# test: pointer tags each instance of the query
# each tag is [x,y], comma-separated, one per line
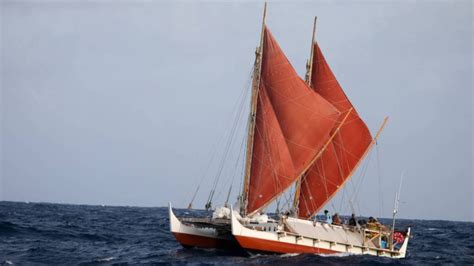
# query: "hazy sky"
[121,103]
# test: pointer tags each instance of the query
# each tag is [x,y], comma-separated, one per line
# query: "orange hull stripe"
[278,247]
[202,241]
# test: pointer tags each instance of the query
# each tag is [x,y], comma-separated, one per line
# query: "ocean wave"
[289,255]
[106,259]
[69,234]
[339,255]
[7,228]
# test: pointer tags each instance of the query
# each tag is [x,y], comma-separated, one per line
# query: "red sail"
[343,154]
[272,168]
[304,118]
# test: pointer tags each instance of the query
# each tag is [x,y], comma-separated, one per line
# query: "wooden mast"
[252,116]
[309,64]
[309,71]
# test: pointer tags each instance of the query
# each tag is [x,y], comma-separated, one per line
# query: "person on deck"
[327,217]
[336,219]
[374,224]
[383,242]
[353,220]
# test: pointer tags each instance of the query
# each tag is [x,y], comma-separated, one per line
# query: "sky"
[124,102]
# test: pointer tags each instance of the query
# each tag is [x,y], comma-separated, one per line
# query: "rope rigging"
[238,111]
[379,174]
[355,184]
[190,205]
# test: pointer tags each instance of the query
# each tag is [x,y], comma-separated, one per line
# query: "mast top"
[309,65]
[263,24]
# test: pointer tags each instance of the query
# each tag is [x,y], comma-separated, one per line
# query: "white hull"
[189,235]
[303,236]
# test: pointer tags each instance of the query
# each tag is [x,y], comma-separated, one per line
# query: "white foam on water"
[255,255]
[339,255]
[289,255]
[106,259]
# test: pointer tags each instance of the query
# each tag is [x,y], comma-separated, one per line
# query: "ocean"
[44,233]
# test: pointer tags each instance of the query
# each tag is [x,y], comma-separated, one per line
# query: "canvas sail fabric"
[287,109]
[272,166]
[341,157]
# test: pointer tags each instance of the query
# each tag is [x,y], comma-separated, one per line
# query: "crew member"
[353,220]
[327,217]
[336,219]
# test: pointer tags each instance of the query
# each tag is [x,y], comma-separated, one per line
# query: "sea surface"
[44,233]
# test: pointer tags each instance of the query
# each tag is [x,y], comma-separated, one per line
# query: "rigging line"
[362,176]
[350,191]
[334,209]
[228,195]
[213,153]
[346,161]
[241,182]
[324,178]
[277,184]
[341,172]
[346,151]
[356,184]
[311,110]
[239,111]
[311,197]
[241,150]
[241,98]
[293,100]
[265,137]
[267,145]
[319,154]
[329,199]
[242,171]
[289,197]
[277,209]
[379,174]
[351,181]
[321,169]
[342,199]
[235,170]
[246,137]
[340,144]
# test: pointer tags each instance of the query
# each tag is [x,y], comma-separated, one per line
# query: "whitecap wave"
[289,255]
[106,259]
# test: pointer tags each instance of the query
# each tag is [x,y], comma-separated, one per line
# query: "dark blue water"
[41,233]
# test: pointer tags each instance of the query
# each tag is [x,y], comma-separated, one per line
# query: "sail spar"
[292,124]
[330,171]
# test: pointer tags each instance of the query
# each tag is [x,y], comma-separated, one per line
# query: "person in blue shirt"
[383,242]
[327,217]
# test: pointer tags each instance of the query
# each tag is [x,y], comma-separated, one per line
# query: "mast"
[395,210]
[253,111]
[309,70]
[309,64]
